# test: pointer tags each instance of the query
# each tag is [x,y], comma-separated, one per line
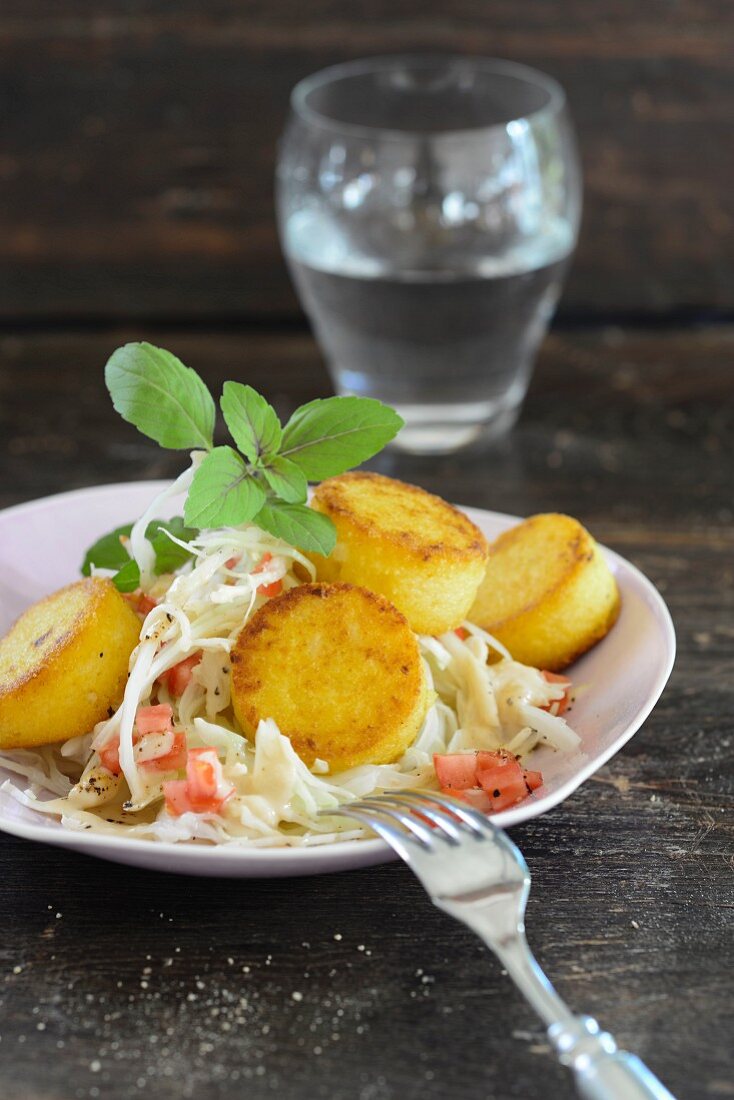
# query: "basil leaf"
[252,422]
[333,434]
[107,552]
[127,579]
[285,479]
[223,493]
[298,525]
[165,400]
[169,555]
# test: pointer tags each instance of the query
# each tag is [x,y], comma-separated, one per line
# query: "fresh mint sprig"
[263,479]
[165,400]
[333,434]
[223,491]
[252,422]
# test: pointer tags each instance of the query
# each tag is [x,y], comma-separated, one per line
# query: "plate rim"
[315,859]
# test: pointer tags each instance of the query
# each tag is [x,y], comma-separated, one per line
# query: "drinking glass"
[428,207]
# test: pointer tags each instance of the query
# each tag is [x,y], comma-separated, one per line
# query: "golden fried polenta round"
[338,669]
[548,594]
[424,555]
[64,663]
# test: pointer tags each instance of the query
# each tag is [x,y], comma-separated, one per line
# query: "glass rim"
[556,101]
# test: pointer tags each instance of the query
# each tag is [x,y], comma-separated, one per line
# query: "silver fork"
[473,871]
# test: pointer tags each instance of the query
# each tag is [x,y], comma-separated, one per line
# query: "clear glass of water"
[428,207]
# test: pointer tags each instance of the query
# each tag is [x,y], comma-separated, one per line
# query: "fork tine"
[380,805]
[396,838]
[481,825]
[449,829]
[477,822]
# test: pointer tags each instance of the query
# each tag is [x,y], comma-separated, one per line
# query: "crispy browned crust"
[575,553]
[51,643]
[64,663]
[338,669]
[462,539]
[591,639]
[574,602]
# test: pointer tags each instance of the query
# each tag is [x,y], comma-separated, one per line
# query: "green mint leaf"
[223,493]
[165,400]
[127,579]
[285,479]
[333,434]
[253,423]
[108,552]
[298,525]
[169,555]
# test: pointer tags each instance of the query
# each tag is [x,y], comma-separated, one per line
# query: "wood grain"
[139,143]
[117,983]
[632,429]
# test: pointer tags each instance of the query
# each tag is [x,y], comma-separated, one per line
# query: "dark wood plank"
[625,427]
[138,148]
[152,984]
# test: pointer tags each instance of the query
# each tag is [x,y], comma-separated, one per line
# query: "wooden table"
[118,982]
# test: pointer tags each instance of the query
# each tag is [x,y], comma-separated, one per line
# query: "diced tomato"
[500,775]
[533,780]
[512,792]
[231,562]
[456,770]
[271,590]
[155,719]
[145,604]
[268,590]
[203,774]
[561,705]
[267,557]
[109,755]
[474,796]
[497,758]
[140,602]
[172,761]
[489,781]
[461,632]
[204,790]
[178,678]
[176,795]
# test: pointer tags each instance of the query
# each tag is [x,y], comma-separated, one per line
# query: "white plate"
[41,548]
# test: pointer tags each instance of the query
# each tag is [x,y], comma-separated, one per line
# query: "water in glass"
[429,262]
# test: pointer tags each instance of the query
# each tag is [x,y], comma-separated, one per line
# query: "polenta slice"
[338,669]
[64,663]
[548,594]
[422,554]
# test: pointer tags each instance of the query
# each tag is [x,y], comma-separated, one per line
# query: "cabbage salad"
[112,780]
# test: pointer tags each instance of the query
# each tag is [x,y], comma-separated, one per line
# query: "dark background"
[138,144]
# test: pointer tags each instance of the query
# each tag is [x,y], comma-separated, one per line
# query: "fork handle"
[603,1072]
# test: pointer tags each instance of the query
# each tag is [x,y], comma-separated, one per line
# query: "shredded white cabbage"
[274,799]
[139,547]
